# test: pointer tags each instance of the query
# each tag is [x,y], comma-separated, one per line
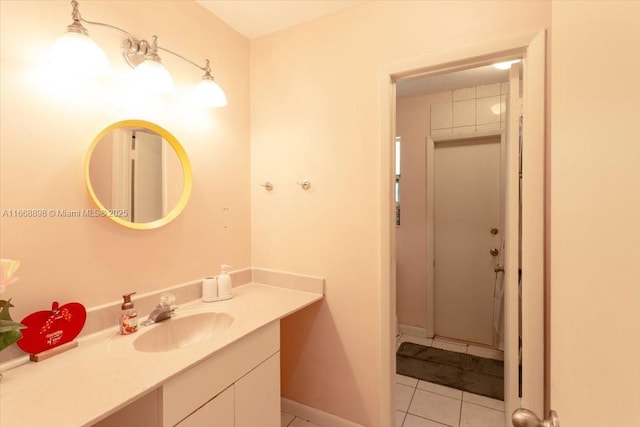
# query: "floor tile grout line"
[410,400]
[430,420]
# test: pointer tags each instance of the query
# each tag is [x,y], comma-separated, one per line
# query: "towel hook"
[304,184]
[267,186]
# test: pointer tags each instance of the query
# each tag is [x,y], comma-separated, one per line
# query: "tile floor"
[289,420]
[424,404]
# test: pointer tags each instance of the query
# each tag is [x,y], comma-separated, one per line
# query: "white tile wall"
[488,110]
[473,109]
[488,126]
[441,116]
[464,113]
[488,90]
[440,132]
[463,129]
[466,93]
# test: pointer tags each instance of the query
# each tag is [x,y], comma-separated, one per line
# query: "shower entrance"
[464,194]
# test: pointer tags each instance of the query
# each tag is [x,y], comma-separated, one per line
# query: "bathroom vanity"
[218,362]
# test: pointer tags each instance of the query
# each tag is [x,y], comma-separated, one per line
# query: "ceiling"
[256,18]
[450,81]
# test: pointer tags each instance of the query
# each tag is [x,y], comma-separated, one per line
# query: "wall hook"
[304,184]
[267,186]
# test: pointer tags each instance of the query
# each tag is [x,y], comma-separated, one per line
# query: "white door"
[595,214]
[467,209]
[147,204]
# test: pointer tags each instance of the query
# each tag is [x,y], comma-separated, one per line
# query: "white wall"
[595,213]
[47,128]
[314,115]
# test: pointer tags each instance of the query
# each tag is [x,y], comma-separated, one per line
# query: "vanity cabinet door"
[257,395]
[218,412]
[185,393]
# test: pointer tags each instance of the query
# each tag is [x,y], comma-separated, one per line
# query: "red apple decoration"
[50,328]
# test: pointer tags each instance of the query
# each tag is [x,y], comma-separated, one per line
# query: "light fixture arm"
[207,67]
[136,51]
[185,59]
[131,46]
[78,19]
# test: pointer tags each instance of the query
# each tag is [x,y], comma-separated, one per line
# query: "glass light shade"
[77,53]
[153,78]
[210,94]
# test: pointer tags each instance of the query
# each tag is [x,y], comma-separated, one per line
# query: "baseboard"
[314,415]
[416,331]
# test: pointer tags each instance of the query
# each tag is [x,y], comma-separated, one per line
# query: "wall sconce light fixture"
[76,50]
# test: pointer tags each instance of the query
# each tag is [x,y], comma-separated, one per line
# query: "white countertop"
[104,373]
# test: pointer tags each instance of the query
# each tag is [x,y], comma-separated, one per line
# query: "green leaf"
[4,313]
[8,338]
[10,325]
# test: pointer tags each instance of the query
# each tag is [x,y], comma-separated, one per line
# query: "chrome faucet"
[163,311]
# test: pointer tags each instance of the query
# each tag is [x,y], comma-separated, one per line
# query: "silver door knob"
[494,251]
[525,418]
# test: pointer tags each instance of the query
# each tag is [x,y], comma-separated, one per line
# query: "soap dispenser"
[224,282]
[128,316]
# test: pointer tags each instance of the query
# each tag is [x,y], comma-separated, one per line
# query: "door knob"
[494,251]
[525,418]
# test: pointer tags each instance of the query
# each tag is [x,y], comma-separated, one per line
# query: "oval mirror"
[138,174]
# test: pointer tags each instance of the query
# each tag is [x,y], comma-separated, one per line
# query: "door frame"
[432,141]
[532,48]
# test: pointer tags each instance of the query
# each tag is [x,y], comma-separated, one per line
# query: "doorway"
[531,48]
[451,160]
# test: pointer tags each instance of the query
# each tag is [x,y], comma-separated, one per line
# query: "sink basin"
[179,332]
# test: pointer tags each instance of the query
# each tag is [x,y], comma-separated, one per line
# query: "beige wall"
[314,114]
[413,124]
[46,132]
[595,213]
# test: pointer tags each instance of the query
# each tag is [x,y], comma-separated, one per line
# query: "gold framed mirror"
[138,174]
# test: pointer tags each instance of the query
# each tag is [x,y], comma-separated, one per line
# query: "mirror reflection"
[140,173]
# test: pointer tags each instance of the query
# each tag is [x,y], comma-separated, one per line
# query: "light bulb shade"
[77,53]
[210,94]
[153,78]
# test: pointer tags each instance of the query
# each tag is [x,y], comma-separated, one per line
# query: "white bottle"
[209,289]
[224,282]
